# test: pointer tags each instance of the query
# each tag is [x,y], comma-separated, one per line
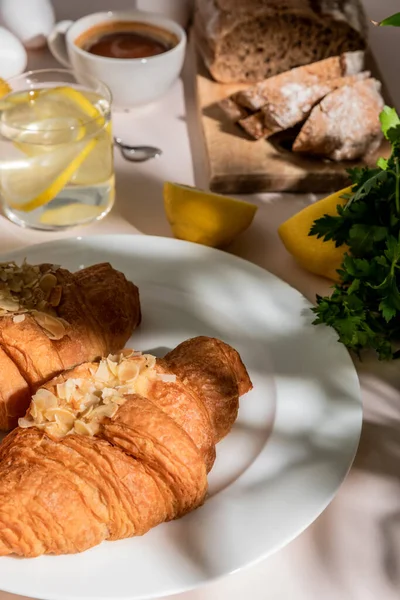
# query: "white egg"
[30,20]
[13,57]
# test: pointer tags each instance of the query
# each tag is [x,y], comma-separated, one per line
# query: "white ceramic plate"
[290,449]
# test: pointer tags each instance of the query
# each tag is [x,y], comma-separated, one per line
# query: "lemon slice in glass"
[31,182]
[56,141]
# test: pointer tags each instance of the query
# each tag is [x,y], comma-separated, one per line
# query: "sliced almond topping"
[86,413]
[56,430]
[53,327]
[113,366]
[19,318]
[25,422]
[129,388]
[107,393]
[9,305]
[55,296]
[83,428]
[70,386]
[79,405]
[103,373]
[62,416]
[118,400]
[61,391]
[28,288]
[35,413]
[41,306]
[44,399]
[47,282]
[128,371]
[88,401]
[105,410]
[150,360]
[166,377]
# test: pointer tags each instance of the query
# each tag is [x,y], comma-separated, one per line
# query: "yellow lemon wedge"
[313,254]
[204,217]
[53,161]
[4,88]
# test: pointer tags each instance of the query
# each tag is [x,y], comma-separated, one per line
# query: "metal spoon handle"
[137,153]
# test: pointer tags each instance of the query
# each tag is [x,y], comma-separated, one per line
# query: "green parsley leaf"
[382,163]
[376,176]
[364,307]
[364,236]
[328,227]
[393,21]
[389,119]
[354,287]
[393,134]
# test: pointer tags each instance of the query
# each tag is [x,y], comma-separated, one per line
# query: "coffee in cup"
[126,39]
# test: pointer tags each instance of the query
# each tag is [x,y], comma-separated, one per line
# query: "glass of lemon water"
[56,150]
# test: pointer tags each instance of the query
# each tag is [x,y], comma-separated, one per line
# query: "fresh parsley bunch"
[364,307]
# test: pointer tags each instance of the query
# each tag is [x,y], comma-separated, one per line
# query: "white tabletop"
[352,551]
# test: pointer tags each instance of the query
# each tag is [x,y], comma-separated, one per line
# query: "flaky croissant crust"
[79,317]
[145,465]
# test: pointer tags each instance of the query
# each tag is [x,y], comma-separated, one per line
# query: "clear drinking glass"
[56,150]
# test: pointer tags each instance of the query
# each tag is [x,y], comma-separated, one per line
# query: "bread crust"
[345,125]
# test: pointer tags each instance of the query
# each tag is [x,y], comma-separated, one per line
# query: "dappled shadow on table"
[361,528]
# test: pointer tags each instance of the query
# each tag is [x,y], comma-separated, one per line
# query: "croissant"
[51,320]
[111,449]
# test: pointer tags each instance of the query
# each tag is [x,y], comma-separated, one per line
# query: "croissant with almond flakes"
[111,449]
[51,320]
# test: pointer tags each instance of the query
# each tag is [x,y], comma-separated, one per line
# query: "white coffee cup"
[132,81]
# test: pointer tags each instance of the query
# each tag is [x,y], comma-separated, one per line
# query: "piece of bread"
[291,104]
[288,98]
[345,125]
[298,81]
[83,467]
[51,320]
[250,40]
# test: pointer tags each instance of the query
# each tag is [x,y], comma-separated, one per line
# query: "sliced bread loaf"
[249,40]
[345,125]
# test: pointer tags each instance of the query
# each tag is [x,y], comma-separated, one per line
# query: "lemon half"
[313,254]
[204,217]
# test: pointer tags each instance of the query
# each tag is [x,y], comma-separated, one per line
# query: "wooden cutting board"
[239,165]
